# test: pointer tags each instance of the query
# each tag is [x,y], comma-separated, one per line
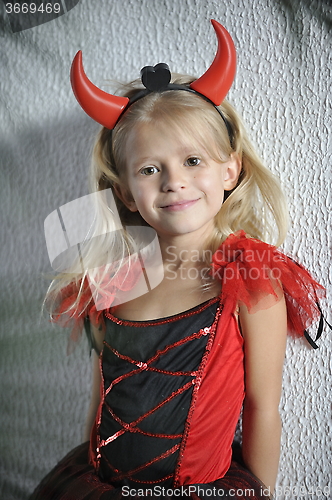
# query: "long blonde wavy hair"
[256,205]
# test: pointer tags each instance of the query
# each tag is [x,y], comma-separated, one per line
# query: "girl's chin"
[197,232]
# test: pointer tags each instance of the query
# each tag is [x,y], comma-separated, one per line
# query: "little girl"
[174,367]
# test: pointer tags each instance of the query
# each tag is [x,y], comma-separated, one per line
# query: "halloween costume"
[172,389]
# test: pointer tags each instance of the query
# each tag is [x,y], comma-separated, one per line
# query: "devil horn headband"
[106,109]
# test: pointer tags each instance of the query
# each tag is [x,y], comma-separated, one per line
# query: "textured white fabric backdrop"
[282,89]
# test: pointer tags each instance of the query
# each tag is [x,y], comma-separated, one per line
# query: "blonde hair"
[256,205]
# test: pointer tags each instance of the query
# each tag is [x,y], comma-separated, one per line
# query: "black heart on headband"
[156,78]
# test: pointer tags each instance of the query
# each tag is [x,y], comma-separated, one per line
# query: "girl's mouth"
[179,205]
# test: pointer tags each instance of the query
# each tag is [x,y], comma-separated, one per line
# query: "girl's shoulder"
[258,275]
[73,307]
[81,304]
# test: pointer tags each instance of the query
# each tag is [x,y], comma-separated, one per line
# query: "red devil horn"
[104,108]
[218,79]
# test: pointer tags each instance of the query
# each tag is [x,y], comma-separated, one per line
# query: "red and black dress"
[172,389]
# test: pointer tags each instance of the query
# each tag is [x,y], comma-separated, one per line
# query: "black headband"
[157,79]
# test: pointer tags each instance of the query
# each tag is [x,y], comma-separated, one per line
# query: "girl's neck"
[187,282]
[184,251]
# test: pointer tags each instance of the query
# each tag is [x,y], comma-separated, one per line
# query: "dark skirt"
[73,478]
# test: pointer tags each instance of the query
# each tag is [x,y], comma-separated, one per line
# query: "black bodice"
[149,369]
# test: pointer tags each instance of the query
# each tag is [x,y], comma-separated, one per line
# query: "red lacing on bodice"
[146,366]
[139,366]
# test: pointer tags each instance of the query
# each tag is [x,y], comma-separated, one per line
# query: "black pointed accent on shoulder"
[322,322]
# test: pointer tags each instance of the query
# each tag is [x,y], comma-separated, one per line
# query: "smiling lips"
[179,205]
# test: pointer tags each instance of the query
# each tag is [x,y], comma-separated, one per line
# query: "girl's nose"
[173,179]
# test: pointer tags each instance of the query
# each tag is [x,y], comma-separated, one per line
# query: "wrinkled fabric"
[74,479]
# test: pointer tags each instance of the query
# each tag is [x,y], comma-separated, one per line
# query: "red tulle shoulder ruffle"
[257,274]
[73,305]
[89,299]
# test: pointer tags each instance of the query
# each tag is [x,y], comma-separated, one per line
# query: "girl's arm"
[96,381]
[264,345]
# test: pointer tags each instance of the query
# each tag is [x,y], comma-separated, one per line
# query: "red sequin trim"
[140,481]
[132,426]
[195,394]
[147,464]
[152,482]
[162,321]
[96,459]
[144,366]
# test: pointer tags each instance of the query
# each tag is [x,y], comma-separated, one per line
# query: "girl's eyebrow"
[139,161]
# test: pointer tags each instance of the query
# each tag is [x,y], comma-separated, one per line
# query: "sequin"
[122,368]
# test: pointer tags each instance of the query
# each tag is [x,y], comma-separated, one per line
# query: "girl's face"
[173,182]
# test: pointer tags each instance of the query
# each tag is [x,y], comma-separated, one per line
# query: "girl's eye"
[192,161]
[150,170]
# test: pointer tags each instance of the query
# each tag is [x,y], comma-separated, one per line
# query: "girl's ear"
[125,196]
[232,171]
